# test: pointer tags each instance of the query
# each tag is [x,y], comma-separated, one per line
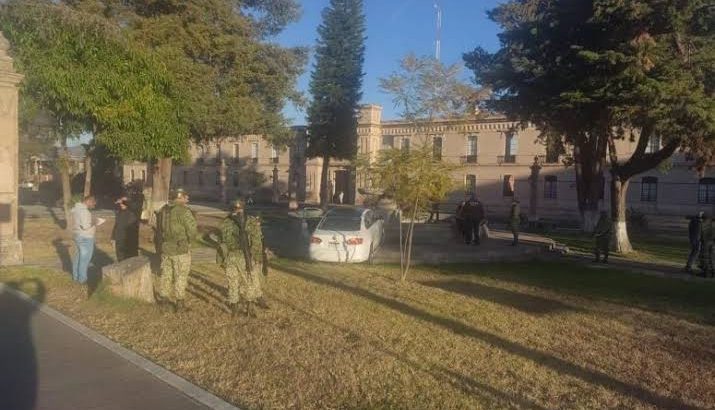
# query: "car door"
[373,228]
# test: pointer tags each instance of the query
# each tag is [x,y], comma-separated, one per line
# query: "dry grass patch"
[538,335]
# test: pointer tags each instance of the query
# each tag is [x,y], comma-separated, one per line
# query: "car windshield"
[340,223]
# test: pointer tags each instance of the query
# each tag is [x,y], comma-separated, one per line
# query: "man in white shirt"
[84,227]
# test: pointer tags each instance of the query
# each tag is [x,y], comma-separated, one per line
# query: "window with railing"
[511,147]
[388,141]
[254,152]
[649,189]
[405,145]
[550,187]
[218,178]
[706,191]
[437,148]
[274,154]
[471,150]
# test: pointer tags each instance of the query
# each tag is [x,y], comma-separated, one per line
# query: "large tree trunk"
[160,184]
[88,174]
[66,187]
[589,173]
[619,191]
[324,194]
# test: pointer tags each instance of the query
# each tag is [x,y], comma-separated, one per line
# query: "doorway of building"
[341,186]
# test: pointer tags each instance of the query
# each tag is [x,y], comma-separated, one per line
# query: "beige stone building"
[490,149]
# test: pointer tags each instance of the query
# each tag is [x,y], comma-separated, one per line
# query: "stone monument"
[10,245]
[130,278]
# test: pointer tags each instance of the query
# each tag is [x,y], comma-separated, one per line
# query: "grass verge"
[531,335]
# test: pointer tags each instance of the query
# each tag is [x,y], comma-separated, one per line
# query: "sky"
[394,29]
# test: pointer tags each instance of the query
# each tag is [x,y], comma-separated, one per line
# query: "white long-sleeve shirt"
[83,224]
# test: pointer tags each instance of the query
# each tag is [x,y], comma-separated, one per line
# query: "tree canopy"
[229,79]
[86,77]
[598,71]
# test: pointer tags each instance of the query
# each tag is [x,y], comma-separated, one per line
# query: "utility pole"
[438,39]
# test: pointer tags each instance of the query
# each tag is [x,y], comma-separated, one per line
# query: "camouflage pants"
[174,275]
[241,285]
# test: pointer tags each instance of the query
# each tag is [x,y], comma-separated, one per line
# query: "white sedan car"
[347,234]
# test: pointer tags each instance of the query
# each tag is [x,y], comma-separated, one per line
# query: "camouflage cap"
[179,192]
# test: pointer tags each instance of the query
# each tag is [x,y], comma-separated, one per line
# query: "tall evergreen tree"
[335,85]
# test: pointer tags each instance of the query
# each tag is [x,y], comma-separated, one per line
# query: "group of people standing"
[471,220]
[241,251]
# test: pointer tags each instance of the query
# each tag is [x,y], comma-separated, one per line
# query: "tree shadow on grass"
[559,365]
[674,297]
[59,222]
[63,252]
[523,302]
[464,383]
[100,259]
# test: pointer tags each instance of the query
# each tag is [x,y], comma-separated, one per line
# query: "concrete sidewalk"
[48,364]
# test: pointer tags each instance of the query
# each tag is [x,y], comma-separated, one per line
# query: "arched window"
[437,148]
[649,189]
[706,191]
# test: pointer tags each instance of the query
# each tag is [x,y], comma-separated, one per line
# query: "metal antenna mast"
[438,40]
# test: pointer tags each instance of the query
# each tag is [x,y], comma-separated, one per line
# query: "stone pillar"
[10,245]
[534,191]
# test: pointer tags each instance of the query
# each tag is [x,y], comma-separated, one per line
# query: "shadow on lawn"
[520,301]
[675,297]
[443,374]
[542,358]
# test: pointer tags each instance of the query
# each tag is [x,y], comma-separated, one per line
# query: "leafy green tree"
[82,75]
[412,178]
[600,71]
[335,86]
[423,89]
[228,79]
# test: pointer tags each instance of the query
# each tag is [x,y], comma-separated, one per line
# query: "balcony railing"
[469,159]
[506,159]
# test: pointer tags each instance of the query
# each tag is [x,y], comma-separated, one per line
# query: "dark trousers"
[125,252]
[514,233]
[432,214]
[471,231]
[694,253]
[603,246]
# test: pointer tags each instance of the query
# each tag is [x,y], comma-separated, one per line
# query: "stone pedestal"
[131,278]
[10,246]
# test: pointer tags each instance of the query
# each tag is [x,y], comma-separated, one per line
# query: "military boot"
[262,303]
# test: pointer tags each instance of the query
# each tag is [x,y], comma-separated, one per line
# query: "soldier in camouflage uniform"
[602,233]
[177,228]
[514,221]
[707,235]
[243,256]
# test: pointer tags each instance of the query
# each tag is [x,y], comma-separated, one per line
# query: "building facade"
[498,159]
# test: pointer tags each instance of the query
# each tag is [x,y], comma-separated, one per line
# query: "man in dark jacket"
[125,234]
[473,214]
[694,228]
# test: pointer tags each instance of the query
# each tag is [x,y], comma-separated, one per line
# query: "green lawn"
[647,247]
[527,335]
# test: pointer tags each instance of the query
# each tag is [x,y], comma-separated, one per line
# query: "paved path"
[45,364]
